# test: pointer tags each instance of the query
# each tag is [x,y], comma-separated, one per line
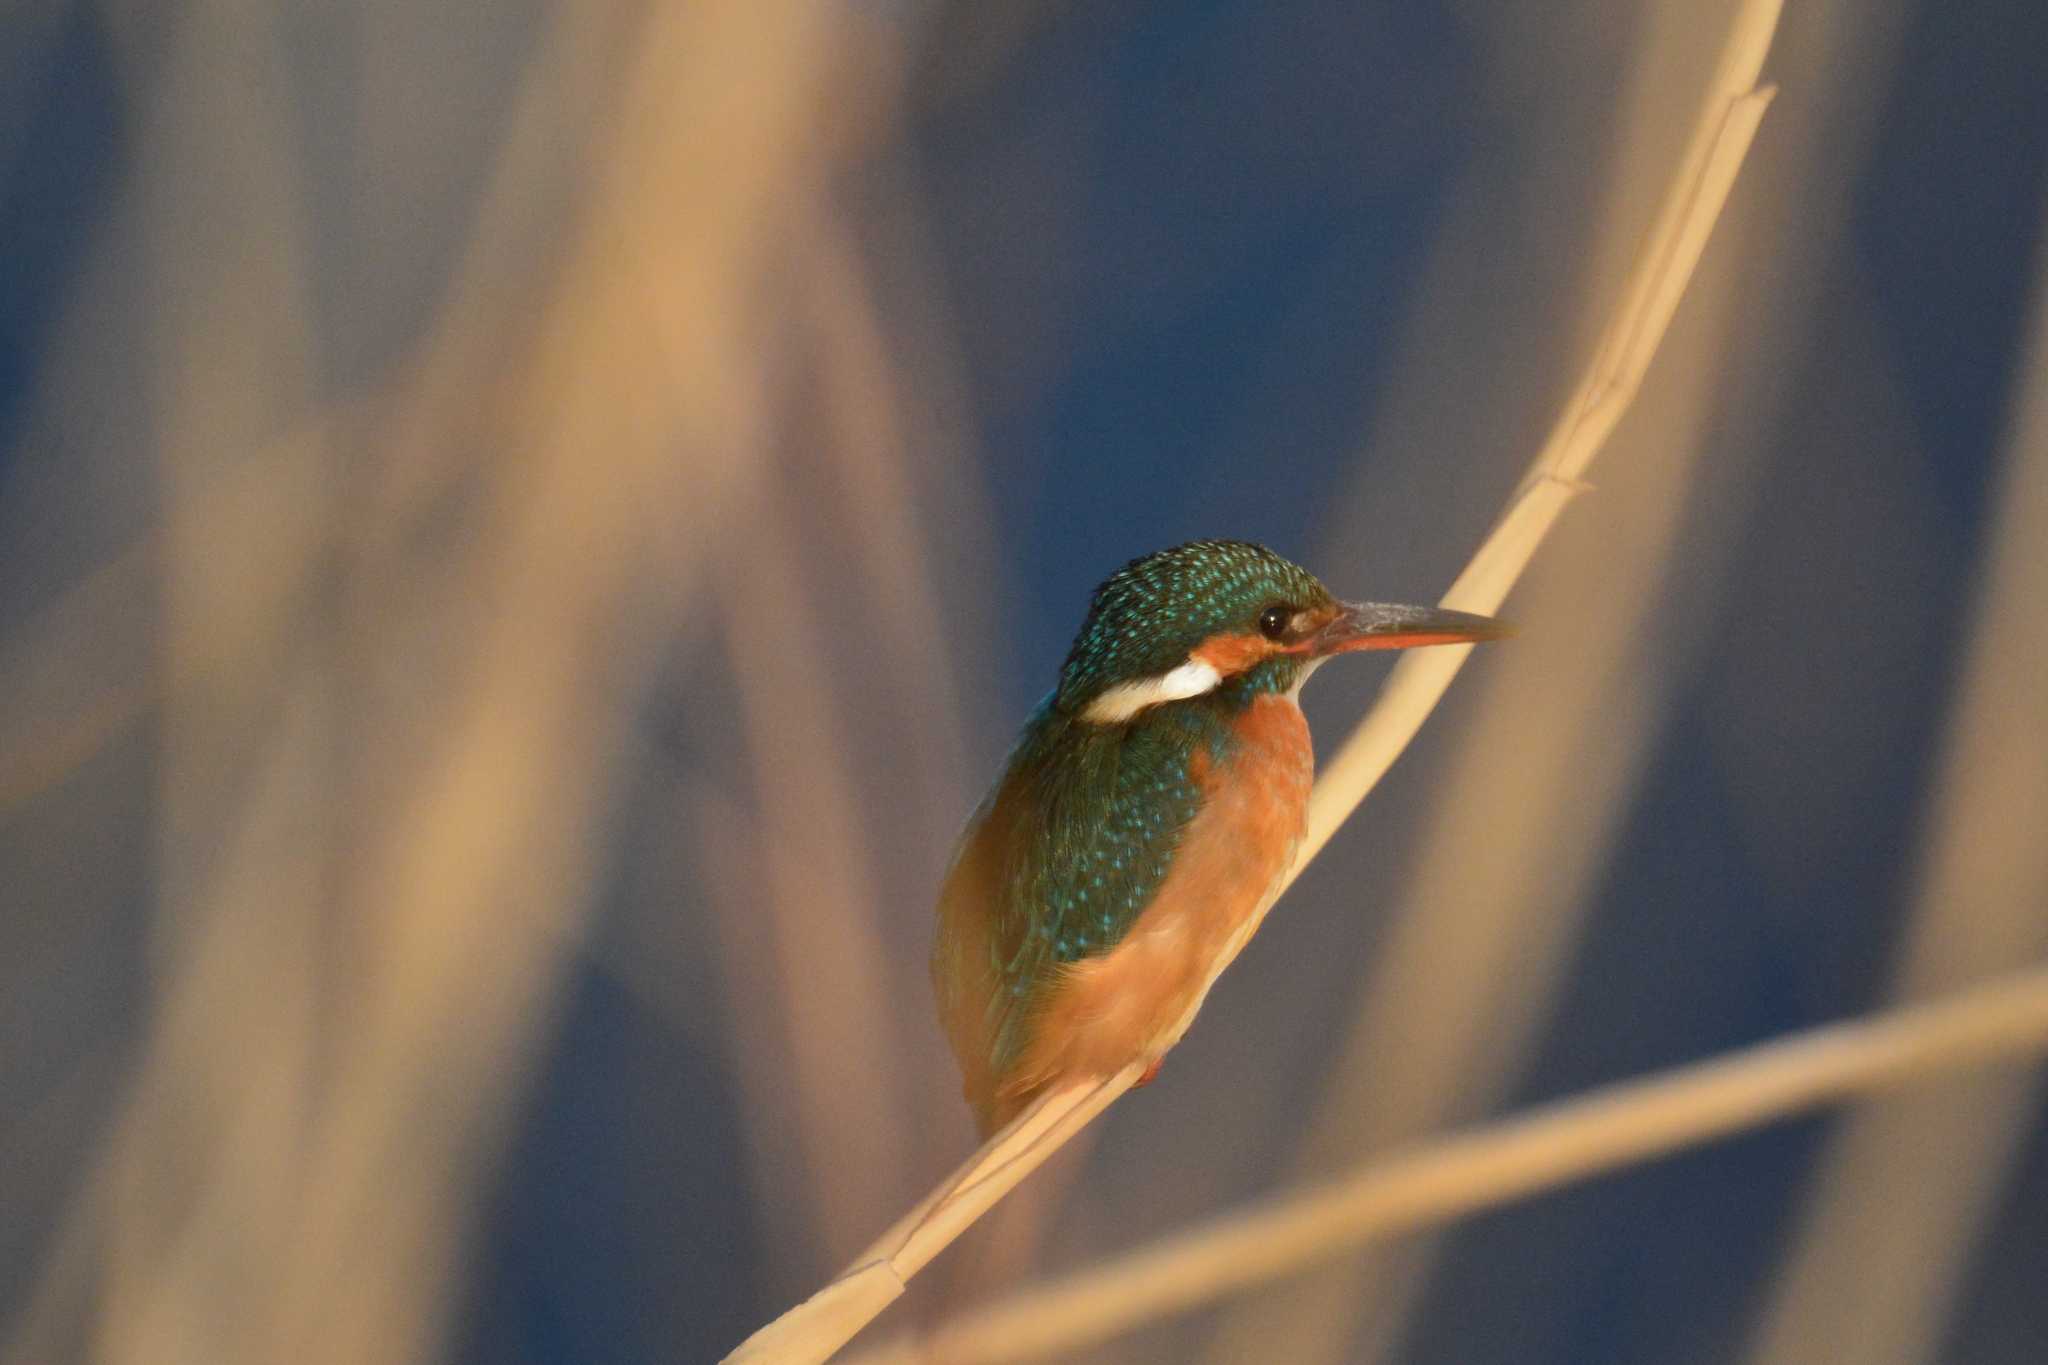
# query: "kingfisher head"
[1226,616]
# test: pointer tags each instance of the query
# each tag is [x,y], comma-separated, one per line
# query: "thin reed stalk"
[1534,1151]
[367,895]
[1479,930]
[1733,107]
[1982,908]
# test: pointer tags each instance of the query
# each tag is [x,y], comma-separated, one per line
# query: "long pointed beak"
[1384,625]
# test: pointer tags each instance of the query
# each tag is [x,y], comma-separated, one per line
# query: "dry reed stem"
[69,694]
[260,1197]
[1734,106]
[804,934]
[1482,923]
[816,891]
[819,1326]
[1982,908]
[827,1320]
[1535,1151]
[82,694]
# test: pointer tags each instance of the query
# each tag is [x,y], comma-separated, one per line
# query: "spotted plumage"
[1141,826]
[1148,616]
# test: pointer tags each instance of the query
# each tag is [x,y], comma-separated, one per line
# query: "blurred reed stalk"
[1485,925]
[1733,107]
[387,743]
[2002,1021]
[1875,1280]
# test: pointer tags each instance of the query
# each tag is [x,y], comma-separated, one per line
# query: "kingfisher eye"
[1273,622]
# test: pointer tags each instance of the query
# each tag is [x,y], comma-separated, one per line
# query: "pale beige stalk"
[382,760]
[1484,922]
[2003,1021]
[1734,106]
[1873,1279]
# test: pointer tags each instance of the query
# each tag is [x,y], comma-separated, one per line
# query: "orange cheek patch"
[1230,654]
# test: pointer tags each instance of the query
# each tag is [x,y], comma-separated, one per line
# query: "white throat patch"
[1125,700]
[1308,666]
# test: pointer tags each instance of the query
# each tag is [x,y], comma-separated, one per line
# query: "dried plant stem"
[1734,107]
[815,1328]
[827,1320]
[1545,1147]
[1942,1153]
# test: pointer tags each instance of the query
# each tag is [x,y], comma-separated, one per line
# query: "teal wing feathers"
[1057,865]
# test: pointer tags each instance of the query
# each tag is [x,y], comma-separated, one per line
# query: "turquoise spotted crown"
[1148,615]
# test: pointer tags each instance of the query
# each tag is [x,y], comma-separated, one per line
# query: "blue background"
[1177,245]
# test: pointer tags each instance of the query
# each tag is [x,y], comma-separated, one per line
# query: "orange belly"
[1134,1002]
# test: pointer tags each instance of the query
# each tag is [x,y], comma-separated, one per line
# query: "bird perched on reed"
[1146,818]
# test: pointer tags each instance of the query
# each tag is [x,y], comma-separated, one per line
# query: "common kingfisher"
[1146,818]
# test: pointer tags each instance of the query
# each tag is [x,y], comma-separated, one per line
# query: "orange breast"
[1135,1002]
